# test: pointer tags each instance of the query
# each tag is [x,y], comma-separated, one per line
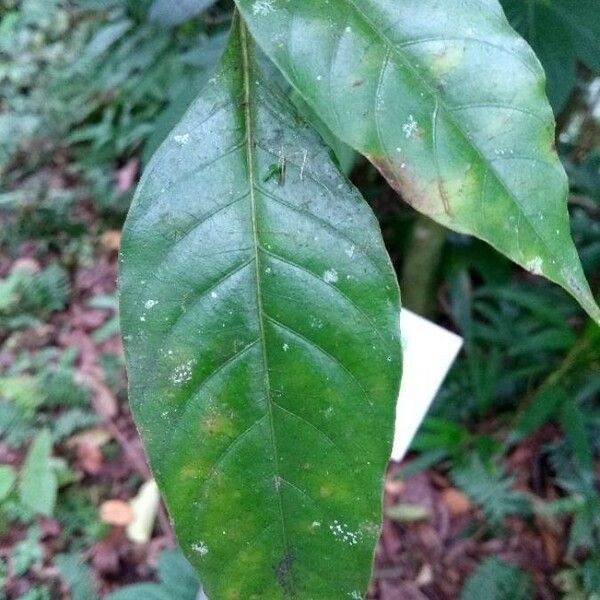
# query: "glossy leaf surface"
[260,315]
[448,102]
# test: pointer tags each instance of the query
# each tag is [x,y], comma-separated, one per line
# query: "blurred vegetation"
[88,90]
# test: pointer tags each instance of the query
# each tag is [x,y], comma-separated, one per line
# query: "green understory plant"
[260,311]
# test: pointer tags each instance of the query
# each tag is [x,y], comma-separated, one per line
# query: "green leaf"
[496,579]
[490,488]
[27,553]
[175,12]
[260,315]
[177,581]
[38,485]
[580,17]
[574,425]
[23,390]
[78,576]
[7,480]
[448,102]
[552,41]
[541,408]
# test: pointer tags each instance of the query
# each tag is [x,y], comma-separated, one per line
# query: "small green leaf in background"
[174,12]
[491,488]
[23,390]
[562,32]
[27,553]
[449,103]
[77,575]
[574,425]
[7,480]
[260,315]
[549,36]
[495,579]
[178,581]
[38,485]
[542,407]
[36,593]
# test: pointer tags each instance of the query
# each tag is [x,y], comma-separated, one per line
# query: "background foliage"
[505,466]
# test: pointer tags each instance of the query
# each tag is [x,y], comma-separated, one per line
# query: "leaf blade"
[38,486]
[260,316]
[448,102]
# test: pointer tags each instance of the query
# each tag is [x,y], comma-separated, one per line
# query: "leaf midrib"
[245,48]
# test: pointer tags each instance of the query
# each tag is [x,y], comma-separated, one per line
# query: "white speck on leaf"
[262,7]
[535,265]
[213,295]
[342,532]
[150,304]
[182,373]
[316,323]
[142,318]
[330,276]
[355,595]
[350,251]
[200,548]
[410,127]
[286,347]
[182,139]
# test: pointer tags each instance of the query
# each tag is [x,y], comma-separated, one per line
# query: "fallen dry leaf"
[425,576]
[458,503]
[127,175]
[105,554]
[97,436]
[116,512]
[111,240]
[89,458]
[27,264]
[394,487]
[145,508]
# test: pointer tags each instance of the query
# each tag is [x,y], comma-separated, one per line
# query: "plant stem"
[420,267]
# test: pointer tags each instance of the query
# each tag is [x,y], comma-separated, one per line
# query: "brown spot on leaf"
[405,185]
[444,195]
[283,571]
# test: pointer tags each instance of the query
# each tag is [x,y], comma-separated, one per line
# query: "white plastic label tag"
[429,351]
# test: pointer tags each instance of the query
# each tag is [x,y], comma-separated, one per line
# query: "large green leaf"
[560,31]
[448,102]
[260,315]
[551,40]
